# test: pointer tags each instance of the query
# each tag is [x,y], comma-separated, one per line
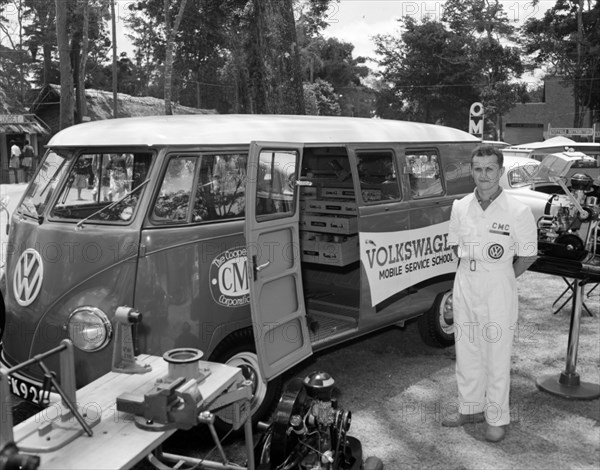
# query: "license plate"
[27,390]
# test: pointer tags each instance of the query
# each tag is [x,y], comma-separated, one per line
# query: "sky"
[357,21]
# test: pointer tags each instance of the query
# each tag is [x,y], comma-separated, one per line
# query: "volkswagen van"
[256,239]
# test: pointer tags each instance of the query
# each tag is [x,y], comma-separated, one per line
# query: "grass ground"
[398,390]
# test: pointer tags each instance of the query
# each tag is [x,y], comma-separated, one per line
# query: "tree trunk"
[291,90]
[66,70]
[171,34]
[47,48]
[273,59]
[81,102]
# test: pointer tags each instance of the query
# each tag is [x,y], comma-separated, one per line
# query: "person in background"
[28,161]
[82,171]
[495,238]
[15,160]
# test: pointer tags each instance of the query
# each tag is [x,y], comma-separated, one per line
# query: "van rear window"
[201,188]
[424,173]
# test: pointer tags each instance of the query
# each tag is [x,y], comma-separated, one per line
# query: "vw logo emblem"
[496,251]
[27,280]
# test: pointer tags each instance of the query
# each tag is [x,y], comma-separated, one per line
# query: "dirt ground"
[398,390]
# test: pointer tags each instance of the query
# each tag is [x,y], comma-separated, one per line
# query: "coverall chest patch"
[495,251]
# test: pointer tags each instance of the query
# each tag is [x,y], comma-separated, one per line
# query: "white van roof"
[223,129]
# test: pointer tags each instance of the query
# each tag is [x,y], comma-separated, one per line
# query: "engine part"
[581,182]
[309,431]
[11,459]
[570,230]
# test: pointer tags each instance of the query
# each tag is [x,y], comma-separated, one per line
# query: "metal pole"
[569,376]
[568,384]
[114,64]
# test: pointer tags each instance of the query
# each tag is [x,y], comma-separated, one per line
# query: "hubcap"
[248,363]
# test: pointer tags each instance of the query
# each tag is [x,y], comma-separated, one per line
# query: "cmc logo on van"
[229,278]
[27,280]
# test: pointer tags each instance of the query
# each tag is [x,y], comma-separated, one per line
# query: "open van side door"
[273,244]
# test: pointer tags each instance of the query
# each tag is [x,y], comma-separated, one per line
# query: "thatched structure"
[100,106]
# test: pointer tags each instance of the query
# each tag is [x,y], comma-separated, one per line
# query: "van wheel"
[436,326]
[238,350]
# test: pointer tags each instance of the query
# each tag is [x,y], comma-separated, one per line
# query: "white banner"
[395,261]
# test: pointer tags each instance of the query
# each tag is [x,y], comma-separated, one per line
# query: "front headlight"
[89,329]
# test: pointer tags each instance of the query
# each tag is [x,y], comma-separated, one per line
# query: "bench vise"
[175,399]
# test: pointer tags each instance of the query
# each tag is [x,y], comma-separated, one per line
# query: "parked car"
[520,180]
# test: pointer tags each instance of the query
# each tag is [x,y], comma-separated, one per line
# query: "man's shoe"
[495,433]
[461,419]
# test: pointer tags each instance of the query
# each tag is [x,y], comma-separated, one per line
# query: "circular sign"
[228,278]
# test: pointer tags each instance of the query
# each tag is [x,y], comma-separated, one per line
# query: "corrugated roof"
[24,124]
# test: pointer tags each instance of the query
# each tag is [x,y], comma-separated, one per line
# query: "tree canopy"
[272,56]
[434,70]
[567,40]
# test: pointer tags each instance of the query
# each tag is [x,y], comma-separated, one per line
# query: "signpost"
[476,119]
[574,131]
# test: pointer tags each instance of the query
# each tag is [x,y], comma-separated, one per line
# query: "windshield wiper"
[110,206]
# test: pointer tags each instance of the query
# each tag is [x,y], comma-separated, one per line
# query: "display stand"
[568,384]
[117,442]
[569,290]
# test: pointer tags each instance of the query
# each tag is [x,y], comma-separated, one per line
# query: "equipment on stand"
[569,246]
[310,431]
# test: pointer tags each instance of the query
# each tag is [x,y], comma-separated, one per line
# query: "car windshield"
[521,175]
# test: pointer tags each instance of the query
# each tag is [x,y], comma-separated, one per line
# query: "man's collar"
[491,199]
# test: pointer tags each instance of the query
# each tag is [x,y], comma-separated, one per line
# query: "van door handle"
[260,267]
[263,266]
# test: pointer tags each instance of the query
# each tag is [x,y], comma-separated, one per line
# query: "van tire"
[436,330]
[238,349]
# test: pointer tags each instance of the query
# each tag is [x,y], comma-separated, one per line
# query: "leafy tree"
[170,33]
[495,59]
[320,99]
[439,68]
[428,68]
[568,39]
[328,61]
[41,35]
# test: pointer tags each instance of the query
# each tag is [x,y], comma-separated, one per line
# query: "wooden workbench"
[117,442]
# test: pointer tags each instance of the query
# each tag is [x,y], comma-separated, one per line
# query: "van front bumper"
[27,388]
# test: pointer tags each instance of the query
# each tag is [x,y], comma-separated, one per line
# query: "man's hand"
[522,264]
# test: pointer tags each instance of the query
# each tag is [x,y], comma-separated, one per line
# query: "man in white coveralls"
[495,238]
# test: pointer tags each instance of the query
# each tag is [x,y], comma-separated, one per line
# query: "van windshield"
[40,192]
[90,185]
[102,186]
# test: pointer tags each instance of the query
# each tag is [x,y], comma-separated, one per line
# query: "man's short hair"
[488,151]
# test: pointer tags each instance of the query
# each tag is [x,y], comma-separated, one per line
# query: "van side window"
[424,173]
[173,200]
[378,176]
[275,182]
[202,189]
[221,188]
